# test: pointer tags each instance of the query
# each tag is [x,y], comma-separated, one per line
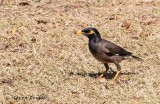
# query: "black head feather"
[95,33]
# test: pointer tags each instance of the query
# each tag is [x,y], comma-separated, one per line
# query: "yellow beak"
[79,32]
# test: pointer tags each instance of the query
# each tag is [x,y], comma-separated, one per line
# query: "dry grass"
[39,51]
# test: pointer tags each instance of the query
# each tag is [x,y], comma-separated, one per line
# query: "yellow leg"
[107,68]
[101,75]
[115,77]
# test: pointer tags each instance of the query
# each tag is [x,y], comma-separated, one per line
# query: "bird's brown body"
[106,51]
[103,54]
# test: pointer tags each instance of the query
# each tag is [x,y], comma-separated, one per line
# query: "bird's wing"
[113,49]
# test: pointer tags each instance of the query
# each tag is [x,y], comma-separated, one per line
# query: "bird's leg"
[107,68]
[119,70]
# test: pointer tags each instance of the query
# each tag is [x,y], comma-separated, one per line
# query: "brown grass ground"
[41,57]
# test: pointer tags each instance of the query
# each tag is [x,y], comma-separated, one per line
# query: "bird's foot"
[115,77]
[102,75]
[99,77]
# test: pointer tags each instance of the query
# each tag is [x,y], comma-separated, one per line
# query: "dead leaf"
[127,24]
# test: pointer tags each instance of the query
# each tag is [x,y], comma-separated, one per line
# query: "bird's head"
[90,32]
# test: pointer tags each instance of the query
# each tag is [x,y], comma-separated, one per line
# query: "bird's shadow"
[108,75]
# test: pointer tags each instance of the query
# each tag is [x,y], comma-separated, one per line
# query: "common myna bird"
[105,51]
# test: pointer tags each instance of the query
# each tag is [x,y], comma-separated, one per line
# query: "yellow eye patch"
[91,32]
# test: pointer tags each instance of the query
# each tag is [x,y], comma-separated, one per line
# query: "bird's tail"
[137,58]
